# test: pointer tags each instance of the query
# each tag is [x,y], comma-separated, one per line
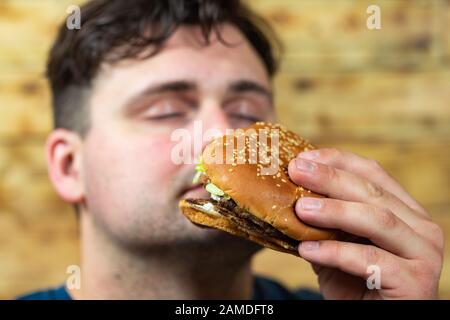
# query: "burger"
[246,174]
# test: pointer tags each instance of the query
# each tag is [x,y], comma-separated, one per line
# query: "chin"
[197,239]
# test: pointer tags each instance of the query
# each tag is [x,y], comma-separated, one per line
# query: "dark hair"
[112,30]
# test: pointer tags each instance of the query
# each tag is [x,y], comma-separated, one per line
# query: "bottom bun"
[214,218]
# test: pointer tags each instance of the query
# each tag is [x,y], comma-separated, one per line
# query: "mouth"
[236,220]
[194,191]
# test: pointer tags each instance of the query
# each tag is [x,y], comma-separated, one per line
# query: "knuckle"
[433,266]
[371,255]
[331,154]
[386,219]
[331,173]
[374,165]
[395,268]
[438,235]
[338,252]
[433,233]
[334,152]
[374,190]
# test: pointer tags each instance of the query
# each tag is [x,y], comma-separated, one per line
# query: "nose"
[214,123]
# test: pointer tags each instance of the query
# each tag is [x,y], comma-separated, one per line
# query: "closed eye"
[167,108]
[167,116]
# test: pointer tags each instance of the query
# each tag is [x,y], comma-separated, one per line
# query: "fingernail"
[304,165]
[310,245]
[309,154]
[310,204]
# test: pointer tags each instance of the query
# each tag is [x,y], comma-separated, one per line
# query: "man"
[138,70]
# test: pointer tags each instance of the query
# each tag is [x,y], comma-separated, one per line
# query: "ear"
[63,152]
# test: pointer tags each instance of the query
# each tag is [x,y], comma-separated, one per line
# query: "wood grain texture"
[376,106]
[382,94]
[329,34]
[24,106]
[27,29]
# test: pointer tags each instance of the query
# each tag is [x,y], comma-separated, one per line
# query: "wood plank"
[333,35]
[319,34]
[25,105]
[25,188]
[446,35]
[33,22]
[389,106]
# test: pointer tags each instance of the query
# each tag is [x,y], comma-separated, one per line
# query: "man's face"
[132,185]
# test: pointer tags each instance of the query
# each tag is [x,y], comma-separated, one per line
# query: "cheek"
[119,171]
[158,161]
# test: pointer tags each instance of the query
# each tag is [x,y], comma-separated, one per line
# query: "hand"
[389,229]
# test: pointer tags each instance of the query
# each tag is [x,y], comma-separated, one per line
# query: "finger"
[379,225]
[345,185]
[316,268]
[355,259]
[365,168]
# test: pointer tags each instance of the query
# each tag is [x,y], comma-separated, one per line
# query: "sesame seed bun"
[269,198]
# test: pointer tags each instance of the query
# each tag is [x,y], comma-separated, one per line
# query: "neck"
[111,271]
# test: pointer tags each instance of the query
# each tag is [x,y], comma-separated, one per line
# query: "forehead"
[185,56]
[236,55]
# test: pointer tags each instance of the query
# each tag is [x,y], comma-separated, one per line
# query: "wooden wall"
[384,94]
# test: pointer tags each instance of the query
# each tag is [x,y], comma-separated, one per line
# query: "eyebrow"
[240,86]
[172,86]
[250,86]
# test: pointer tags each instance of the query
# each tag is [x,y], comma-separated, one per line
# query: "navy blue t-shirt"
[263,289]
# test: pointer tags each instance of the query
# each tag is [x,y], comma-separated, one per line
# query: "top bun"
[272,197]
